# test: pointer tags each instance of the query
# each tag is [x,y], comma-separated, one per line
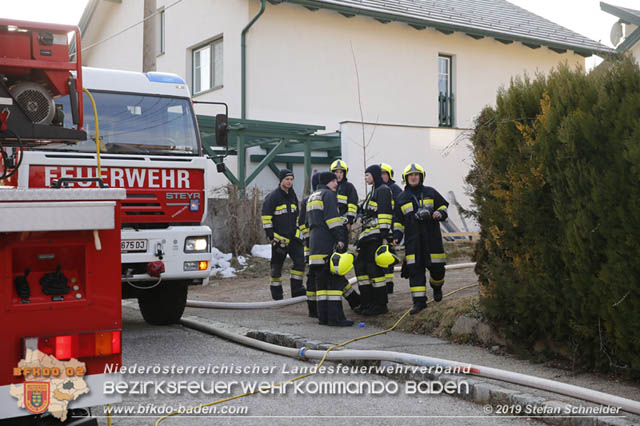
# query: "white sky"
[581,16]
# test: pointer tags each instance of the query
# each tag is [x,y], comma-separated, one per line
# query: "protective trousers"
[329,295]
[371,277]
[417,275]
[295,250]
[312,293]
[389,277]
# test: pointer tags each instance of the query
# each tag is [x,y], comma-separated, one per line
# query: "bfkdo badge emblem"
[36,396]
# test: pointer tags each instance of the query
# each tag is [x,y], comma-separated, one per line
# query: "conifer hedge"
[556,188]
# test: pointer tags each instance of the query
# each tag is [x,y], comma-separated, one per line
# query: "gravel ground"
[293,319]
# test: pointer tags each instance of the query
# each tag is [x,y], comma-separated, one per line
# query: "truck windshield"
[135,124]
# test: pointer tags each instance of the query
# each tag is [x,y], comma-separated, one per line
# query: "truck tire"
[164,305]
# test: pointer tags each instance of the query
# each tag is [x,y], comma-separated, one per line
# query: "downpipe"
[285,302]
[573,391]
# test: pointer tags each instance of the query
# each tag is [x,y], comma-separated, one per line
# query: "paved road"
[145,345]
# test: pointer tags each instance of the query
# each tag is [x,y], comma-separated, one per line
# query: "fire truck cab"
[150,146]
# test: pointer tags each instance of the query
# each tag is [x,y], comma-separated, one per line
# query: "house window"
[207,66]
[445,91]
[160,31]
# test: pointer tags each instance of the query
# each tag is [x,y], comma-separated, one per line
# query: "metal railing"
[445,110]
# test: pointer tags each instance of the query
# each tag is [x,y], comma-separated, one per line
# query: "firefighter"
[418,214]
[348,291]
[327,234]
[347,194]
[280,222]
[376,214]
[304,233]
[387,178]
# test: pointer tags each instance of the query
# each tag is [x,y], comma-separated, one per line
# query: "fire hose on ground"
[291,301]
[573,391]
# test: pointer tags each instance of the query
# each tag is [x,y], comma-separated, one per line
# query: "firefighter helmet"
[339,165]
[384,257]
[387,168]
[413,168]
[341,263]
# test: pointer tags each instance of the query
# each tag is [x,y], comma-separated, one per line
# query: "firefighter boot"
[313,308]
[336,315]
[418,306]
[437,291]
[354,300]
[389,287]
[297,289]
[276,290]
[323,314]
[366,295]
[374,310]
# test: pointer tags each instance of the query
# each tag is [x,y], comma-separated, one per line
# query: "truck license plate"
[133,246]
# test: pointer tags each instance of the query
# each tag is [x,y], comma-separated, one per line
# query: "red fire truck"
[60,291]
[150,146]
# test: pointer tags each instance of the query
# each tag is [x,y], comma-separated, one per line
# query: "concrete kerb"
[479,392]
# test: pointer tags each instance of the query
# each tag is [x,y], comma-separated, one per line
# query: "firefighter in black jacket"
[327,233]
[387,178]
[348,292]
[303,225]
[418,214]
[377,216]
[280,222]
[347,194]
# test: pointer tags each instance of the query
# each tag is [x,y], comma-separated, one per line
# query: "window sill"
[160,54]
[204,92]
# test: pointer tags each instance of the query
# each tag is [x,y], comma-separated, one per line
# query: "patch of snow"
[242,260]
[263,251]
[221,264]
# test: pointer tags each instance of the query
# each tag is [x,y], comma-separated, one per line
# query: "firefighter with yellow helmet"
[347,194]
[376,214]
[387,178]
[418,214]
[328,238]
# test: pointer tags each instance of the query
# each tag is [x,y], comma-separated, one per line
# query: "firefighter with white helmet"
[418,214]
[347,194]
[327,235]
[387,178]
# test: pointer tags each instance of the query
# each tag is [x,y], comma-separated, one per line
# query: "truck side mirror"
[222,130]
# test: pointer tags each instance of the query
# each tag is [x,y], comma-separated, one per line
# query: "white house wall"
[192,23]
[635,51]
[123,51]
[444,153]
[301,69]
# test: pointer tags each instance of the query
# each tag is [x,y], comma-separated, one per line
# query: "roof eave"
[445,26]
[620,13]
[87,14]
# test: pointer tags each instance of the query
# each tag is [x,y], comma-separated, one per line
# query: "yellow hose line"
[95,114]
[318,365]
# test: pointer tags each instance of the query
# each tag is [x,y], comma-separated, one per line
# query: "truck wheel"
[164,304]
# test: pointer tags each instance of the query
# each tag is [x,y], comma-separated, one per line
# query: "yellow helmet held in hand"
[341,263]
[384,257]
[413,168]
[339,165]
[387,168]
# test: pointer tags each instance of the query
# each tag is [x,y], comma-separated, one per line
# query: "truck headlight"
[196,245]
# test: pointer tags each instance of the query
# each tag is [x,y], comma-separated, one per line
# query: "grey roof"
[491,18]
[628,15]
